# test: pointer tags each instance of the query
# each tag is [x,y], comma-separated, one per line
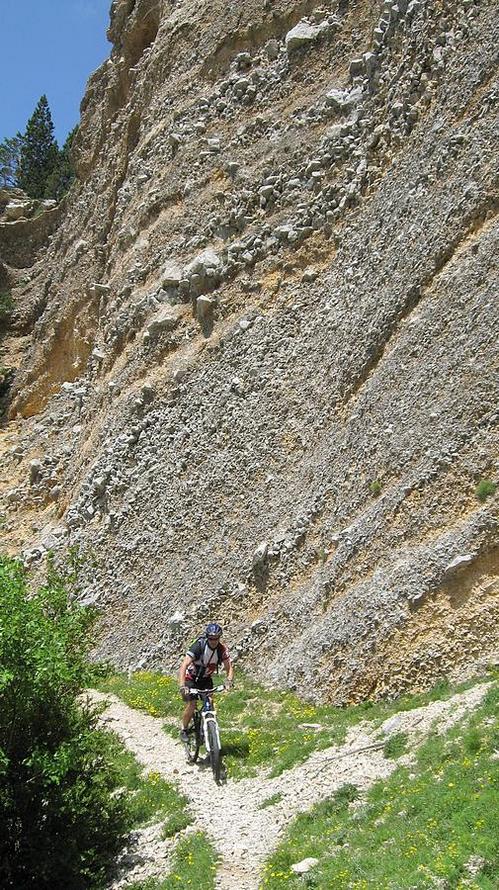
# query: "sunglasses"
[213,638]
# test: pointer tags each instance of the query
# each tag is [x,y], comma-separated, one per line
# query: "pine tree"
[60,179]
[39,152]
[10,150]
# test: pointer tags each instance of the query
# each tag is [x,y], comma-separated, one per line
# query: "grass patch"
[150,797]
[261,727]
[418,829]
[156,694]
[375,488]
[270,801]
[395,745]
[485,489]
[309,835]
[194,865]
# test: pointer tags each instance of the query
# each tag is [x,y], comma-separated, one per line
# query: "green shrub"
[395,745]
[485,489]
[6,305]
[61,821]
[6,377]
[270,801]
[375,488]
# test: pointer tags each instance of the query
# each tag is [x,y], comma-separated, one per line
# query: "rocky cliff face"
[255,361]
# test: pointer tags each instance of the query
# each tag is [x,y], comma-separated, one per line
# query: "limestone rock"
[165,321]
[17,210]
[302,34]
[304,276]
[204,308]
[172,275]
[301,868]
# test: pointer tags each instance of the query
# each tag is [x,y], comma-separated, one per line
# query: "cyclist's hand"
[184,692]
[228,685]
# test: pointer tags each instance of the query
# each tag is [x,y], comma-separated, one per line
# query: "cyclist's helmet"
[213,630]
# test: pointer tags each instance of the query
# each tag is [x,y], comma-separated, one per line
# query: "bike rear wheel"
[214,744]
[194,741]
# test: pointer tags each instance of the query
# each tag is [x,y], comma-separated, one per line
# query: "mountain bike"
[203,729]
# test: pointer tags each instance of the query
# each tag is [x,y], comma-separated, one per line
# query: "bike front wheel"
[214,744]
[193,743]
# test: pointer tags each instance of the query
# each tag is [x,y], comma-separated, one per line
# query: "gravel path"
[243,834]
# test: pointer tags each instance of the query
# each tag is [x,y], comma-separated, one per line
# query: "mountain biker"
[200,663]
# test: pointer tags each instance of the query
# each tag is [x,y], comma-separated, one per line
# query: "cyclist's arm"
[183,667]
[229,670]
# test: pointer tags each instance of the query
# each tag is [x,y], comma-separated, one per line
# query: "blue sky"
[51,47]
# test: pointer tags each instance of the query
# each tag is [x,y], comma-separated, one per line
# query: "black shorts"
[205,683]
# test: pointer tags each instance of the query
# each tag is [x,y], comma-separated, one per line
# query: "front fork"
[209,717]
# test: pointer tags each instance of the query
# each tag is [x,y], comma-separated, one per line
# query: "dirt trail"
[243,834]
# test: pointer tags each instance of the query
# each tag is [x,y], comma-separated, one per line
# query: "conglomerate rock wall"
[256,362]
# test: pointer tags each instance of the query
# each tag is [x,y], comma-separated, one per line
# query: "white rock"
[459,562]
[207,260]
[204,308]
[176,619]
[343,100]
[172,275]
[97,289]
[17,210]
[302,34]
[260,554]
[166,319]
[301,868]
[391,725]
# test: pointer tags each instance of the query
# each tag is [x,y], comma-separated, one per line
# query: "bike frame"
[207,712]
[208,716]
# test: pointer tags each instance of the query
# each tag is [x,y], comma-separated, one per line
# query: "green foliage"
[193,867]
[485,489]
[270,801]
[375,488]
[33,160]
[59,181]
[395,745]
[307,836]
[6,306]
[268,729]
[418,829]
[60,820]
[6,377]
[39,152]
[157,694]
[194,864]
[150,797]
[10,150]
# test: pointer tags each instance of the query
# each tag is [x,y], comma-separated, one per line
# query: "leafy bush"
[61,821]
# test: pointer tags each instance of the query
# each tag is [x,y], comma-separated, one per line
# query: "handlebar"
[206,692]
